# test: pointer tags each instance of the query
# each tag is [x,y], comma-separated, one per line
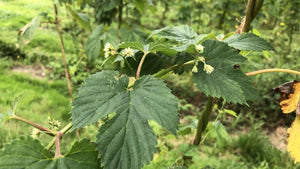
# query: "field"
[236,136]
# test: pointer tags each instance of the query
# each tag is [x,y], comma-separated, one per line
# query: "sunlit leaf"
[93,44]
[231,112]
[25,35]
[159,47]
[126,140]
[133,45]
[1,119]
[222,135]
[83,20]
[140,5]
[30,153]
[225,81]
[21,99]
[128,35]
[248,41]
[182,33]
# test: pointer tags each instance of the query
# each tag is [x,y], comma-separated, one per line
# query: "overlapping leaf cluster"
[126,139]
[30,153]
[225,81]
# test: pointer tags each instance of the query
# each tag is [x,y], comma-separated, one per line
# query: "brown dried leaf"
[290,95]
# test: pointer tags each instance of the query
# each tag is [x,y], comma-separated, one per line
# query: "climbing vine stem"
[62,131]
[47,131]
[203,120]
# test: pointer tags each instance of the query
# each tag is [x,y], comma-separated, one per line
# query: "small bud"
[35,132]
[195,69]
[108,47]
[208,68]
[200,48]
[202,59]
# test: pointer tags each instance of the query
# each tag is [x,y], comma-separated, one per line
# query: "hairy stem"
[58,137]
[47,131]
[57,22]
[140,65]
[172,68]
[63,131]
[272,70]
[203,120]
[57,25]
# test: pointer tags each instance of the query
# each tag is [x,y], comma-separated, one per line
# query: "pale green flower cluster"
[199,48]
[54,124]
[207,68]
[109,50]
[35,133]
[128,52]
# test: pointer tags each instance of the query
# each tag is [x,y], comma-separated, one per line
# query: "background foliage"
[87,25]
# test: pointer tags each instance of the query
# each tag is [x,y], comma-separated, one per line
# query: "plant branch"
[253,6]
[272,70]
[140,65]
[57,145]
[172,68]
[203,120]
[47,131]
[57,25]
[63,131]
[57,22]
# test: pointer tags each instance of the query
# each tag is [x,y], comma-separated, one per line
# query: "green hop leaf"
[134,45]
[182,33]
[126,140]
[21,99]
[92,45]
[98,37]
[26,34]
[29,153]
[224,81]
[249,42]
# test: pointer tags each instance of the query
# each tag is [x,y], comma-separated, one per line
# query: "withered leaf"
[293,146]
[289,96]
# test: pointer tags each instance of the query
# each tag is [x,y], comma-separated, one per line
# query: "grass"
[45,38]
[50,98]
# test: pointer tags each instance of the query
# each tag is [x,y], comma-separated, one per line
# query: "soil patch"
[278,138]
[35,71]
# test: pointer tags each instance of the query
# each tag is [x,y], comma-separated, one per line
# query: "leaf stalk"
[57,144]
[272,70]
[47,131]
[141,64]
[172,68]
[63,131]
